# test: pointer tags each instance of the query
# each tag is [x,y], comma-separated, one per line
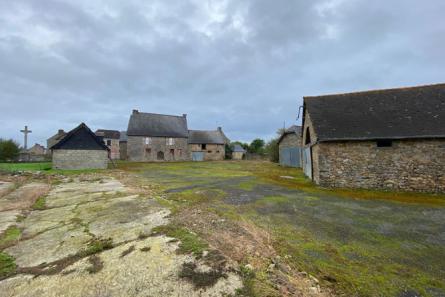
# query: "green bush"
[9,150]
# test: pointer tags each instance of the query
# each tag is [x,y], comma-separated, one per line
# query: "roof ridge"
[161,114]
[375,91]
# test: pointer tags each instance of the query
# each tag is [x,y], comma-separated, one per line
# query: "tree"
[229,150]
[9,150]
[272,148]
[257,146]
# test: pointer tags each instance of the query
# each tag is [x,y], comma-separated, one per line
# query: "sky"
[241,64]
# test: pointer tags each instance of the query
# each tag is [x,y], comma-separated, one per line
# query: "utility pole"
[26,132]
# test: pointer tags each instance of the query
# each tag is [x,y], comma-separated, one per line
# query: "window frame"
[147,140]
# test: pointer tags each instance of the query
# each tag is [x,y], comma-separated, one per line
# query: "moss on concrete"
[7,265]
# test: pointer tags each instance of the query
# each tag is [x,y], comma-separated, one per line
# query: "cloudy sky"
[240,64]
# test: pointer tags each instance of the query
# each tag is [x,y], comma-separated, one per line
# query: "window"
[147,140]
[148,151]
[384,143]
[169,141]
[172,152]
[209,152]
[308,136]
[160,155]
[109,142]
[203,146]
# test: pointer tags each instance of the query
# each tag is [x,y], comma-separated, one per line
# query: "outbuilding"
[289,145]
[111,139]
[80,149]
[207,145]
[238,152]
[383,139]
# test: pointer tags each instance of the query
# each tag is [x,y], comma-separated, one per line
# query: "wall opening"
[203,146]
[307,136]
[160,155]
[384,143]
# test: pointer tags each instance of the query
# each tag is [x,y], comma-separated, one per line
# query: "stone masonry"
[157,149]
[212,152]
[80,159]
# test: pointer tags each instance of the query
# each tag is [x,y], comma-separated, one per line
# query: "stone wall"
[123,150]
[80,159]
[157,150]
[114,147]
[290,140]
[238,155]
[212,152]
[408,165]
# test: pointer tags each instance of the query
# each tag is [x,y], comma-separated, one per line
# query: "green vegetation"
[189,242]
[9,150]
[96,246]
[40,203]
[37,166]
[7,265]
[11,235]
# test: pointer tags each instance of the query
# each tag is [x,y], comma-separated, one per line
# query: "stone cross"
[26,132]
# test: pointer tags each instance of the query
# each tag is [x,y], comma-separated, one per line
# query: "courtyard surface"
[215,229]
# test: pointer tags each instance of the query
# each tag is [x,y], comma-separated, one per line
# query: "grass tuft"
[189,242]
[11,235]
[7,265]
[40,204]
[96,246]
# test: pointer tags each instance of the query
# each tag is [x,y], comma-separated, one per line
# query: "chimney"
[219,129]
[60,131]
[184,115]
[135,111]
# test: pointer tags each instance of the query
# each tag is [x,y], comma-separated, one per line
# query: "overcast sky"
[240,64]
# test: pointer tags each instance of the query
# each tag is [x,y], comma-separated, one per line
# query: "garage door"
[197,156]
[290,157]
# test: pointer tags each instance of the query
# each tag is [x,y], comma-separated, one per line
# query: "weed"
[96,246]
[7,265]
[40,203]
[11,235]
[189,242]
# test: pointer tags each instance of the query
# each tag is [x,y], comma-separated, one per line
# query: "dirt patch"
[200,279]
[23,197]
[96,264]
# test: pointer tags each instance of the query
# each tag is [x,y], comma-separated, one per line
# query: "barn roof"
[238,149]
[294,129]
[111,134]
[80,138]
[210,137]
[151,124]
[123,136]
[404,113]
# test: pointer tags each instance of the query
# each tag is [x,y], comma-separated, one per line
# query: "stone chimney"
[135,111]
[60,131]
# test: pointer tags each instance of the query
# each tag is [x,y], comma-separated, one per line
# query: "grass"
[40,203]
[362,242]
[96,246]
[11,235]
[44,167]
[7,265]
[189,243]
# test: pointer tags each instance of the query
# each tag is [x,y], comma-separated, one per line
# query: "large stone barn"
[289,146]
[207,145]
[111,139]
[157,137]
[383,139]
[80,149]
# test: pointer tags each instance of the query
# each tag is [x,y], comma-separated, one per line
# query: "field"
[285,236]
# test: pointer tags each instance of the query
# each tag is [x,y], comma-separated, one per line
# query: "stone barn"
[238,152]
[111,139]
[157,137]
[80,149]
[289,146]
[383,139]
[55,138]
[207,145]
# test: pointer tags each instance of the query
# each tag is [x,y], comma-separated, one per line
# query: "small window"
[172,152]
[209,152]
[147,140]
[203,146]
[384,143]
[308,136]
[170,141]
[109,142]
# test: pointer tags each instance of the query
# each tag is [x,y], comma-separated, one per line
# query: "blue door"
[290,157]
[307,162]
[198,156]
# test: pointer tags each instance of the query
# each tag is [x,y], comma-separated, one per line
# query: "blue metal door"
[307,162]
[290,157]
[198,156]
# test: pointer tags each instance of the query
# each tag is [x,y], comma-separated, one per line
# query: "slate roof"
[294,129]
[123,136]
[80,138]
[208,137]
[404,113]
[110,134]
[238,149]
[153,125]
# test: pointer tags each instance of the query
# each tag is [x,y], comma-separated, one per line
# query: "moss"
[96,246]
[198,278]
[11,235]
[7,265]
[189,242]
[40,204]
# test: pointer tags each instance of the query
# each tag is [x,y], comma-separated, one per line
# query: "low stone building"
[111,139]
[157,137]
[55,138]
[80,149]
[384,139]
[123,145]
[207,145]
[238,152]
[289,146]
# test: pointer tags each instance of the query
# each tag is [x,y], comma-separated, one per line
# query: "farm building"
[157,137]
[123,145]
[111,139]
[238,152]
[289,145]
[55,138]
[80,149]
[384,139]
[207,145]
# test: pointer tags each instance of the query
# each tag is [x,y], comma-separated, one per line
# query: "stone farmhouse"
[207,145]
[157,138]
[80,149]
[111,139]
[383,139]
[289,145]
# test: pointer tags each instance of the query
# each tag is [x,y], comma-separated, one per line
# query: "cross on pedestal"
[26,132]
